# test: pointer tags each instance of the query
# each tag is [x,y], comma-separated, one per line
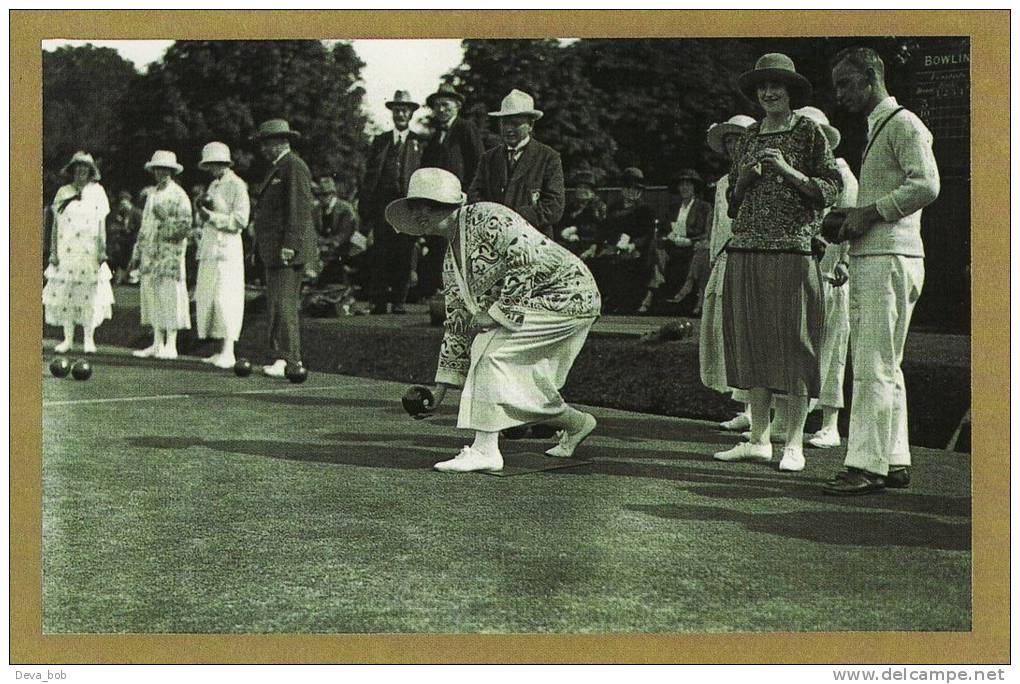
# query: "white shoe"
[746,451]
[168,353]
[470,460]
[824,439]
[214,359]
[147,352]
[224,361]
[570,441]
[63,347]
[278,369]
[793,459]
[89,347]
[737,423]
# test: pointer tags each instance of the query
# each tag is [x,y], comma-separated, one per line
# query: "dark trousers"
[283,303]
[391,272]
[430,266]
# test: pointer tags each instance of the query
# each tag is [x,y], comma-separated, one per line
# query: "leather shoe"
[898,479]
[854,481]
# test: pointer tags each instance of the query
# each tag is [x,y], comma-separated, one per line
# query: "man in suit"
[285,239]
[522,173]
[455,146]
[394,156]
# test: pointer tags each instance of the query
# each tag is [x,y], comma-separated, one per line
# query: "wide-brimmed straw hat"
[82,157]
[215,153]
[737,125]
[402,98]
[518,103]
[445,90]
[818,116]
[775,66]
[275,128]
[164,159]
[429,183]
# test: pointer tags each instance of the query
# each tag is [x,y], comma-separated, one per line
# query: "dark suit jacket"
[535,188]
[459,152]
[284,216]
[699,218]
[373,198]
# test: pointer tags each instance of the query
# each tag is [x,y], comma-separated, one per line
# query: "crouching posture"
[518,310]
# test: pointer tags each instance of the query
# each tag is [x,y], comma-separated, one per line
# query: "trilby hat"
[402,98]
[445,90]
[518,103]
[275,128]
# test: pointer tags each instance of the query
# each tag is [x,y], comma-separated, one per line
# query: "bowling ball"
[418,401]
[60,367]
[296,372]
[242,368]
[81,370]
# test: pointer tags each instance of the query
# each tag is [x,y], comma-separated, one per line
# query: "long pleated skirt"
[516,376]
[773,322]
[164,302]
[219,298]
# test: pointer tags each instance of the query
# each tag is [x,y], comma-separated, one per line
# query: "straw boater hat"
[215,153]
[737,125]
[164,159]
[275,128]
[402,98]
[82,157]
[818,116]
[445,90]
[433,184]
[518,103]
[775,66]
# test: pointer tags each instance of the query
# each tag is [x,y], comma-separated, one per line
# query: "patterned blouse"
[774,215]
[511,269]
[163,237]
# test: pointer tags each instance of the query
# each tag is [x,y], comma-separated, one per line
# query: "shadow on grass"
[830,527]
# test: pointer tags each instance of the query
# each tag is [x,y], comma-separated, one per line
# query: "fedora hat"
[633,177]
[215,153]
[688,174]
[737,125]
[429,183]
[275,128]
[518,103]
[774,66]
[582,178]
[445,90]
[402,98]
[818,116]
[164,159]
[82,157]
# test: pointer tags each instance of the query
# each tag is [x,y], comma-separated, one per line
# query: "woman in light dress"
[77,290]
[219,290]
[159,257]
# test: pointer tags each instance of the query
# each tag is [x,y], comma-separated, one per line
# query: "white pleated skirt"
[516,376]
[219,299]
[164,303]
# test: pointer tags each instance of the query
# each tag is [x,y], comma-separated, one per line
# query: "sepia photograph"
[602,333]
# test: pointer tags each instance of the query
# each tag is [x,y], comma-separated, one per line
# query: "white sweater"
[899,176]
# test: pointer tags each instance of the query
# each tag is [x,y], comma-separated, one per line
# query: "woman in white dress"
[518,311]
[219,290]
[77,290]
[159,257]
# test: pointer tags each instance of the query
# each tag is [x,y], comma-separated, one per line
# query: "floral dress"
[78,288]
[162,241]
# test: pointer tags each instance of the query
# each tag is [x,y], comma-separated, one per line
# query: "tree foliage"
[222,90]
[83,89]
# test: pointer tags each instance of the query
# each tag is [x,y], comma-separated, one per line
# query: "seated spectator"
[338,231]
[578,229]
[689,218]
[122,226]
[622,256]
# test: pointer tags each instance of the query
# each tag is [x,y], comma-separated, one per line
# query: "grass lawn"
[183,499]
